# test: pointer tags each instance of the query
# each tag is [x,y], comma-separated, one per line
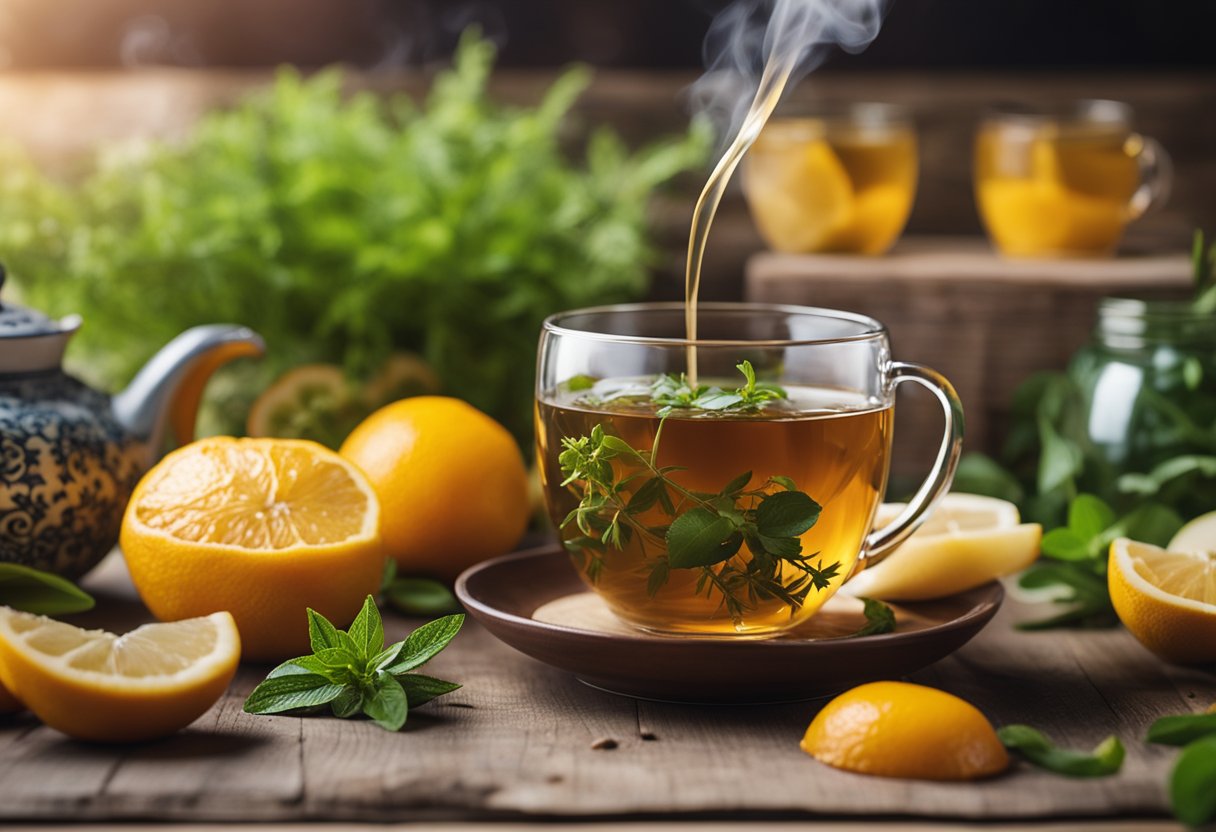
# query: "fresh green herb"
[353,672]
[1193,783]
[672,392]
[449,226]
[703,531]
[1181,730]
[879,618]
[1076,556]
[421,596]
[42,593]
[1104,760]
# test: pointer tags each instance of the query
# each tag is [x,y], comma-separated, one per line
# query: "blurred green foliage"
[343,227]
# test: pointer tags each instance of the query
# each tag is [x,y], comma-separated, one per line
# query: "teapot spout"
[167,391]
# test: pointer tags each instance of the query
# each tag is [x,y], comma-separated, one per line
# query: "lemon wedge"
[103,687]
[1166,599]
[1199,535]
[967,541]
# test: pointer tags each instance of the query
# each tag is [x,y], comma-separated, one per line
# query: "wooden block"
[984,321]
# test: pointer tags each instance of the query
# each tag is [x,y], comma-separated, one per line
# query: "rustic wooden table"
[518,744]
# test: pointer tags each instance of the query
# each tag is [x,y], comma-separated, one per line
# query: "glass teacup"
[1065,182]
[738,503]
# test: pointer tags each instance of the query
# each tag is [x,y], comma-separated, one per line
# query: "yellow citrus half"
[263,528]
[967,541]
[98,686]
[452,484]
[1167,600]
[896,729]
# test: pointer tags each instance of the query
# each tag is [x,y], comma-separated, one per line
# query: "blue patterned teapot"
[70,455]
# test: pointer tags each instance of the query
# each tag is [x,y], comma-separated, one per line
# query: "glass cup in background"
[838,178]
[1065,182]
[831,437]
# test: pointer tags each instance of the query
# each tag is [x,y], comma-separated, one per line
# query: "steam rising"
[751,38]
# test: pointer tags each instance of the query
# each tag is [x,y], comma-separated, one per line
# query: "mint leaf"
[421,596]
[1089,516]
[425,643]
[1193,783]
[322,634]
[420,689]
[367,630]
[1181,730]
[786,514]
[1104,760]
[700,537]
[348,703]
[1065,544]
[41,593]
[387,705]
[291,692]
[336,673]
[879,618]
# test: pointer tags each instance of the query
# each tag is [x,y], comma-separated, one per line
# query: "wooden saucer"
[535,602]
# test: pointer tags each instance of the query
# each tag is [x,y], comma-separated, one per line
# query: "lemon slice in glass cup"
[967,541]
[103,687]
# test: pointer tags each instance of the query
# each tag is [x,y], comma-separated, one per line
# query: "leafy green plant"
[343,227]
[42,593]
[879,618]
[1075,558]
[416,596]
[1193,779]
[1106,759]
[353,672]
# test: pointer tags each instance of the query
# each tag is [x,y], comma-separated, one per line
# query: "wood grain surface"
[523,742]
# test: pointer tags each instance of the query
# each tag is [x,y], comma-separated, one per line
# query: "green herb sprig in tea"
[704,531]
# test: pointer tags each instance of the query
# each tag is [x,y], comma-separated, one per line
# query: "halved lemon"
[99,686]
[263,528]
[312,401]
[1166,599]
[967,541]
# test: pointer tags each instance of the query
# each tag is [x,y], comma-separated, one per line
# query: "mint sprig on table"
[1193,779]
[41,593]
[704,530]
[353,672]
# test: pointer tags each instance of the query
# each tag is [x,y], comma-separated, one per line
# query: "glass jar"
[1148,381]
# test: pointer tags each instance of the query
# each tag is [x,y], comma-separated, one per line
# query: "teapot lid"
[31,341]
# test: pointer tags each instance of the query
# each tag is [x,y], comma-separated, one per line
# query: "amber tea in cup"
[737,503]
[833,179]
[1065,183]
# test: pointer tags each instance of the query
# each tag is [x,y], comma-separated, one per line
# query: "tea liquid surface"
[833,444]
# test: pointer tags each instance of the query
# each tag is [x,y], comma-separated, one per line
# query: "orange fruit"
[451,481]
[897,729]
[94,685]
[262,528]
[1166,599]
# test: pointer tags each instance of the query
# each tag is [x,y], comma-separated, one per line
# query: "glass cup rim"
[1070,111]
[872,328]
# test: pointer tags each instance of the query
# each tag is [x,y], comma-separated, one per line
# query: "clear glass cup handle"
[1156,174]
[881,542]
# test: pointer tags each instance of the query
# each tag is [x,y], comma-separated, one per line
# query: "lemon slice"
[1199,535]
[797,188]
[262,528]
[1166,599]
[98,686]
[969,540]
